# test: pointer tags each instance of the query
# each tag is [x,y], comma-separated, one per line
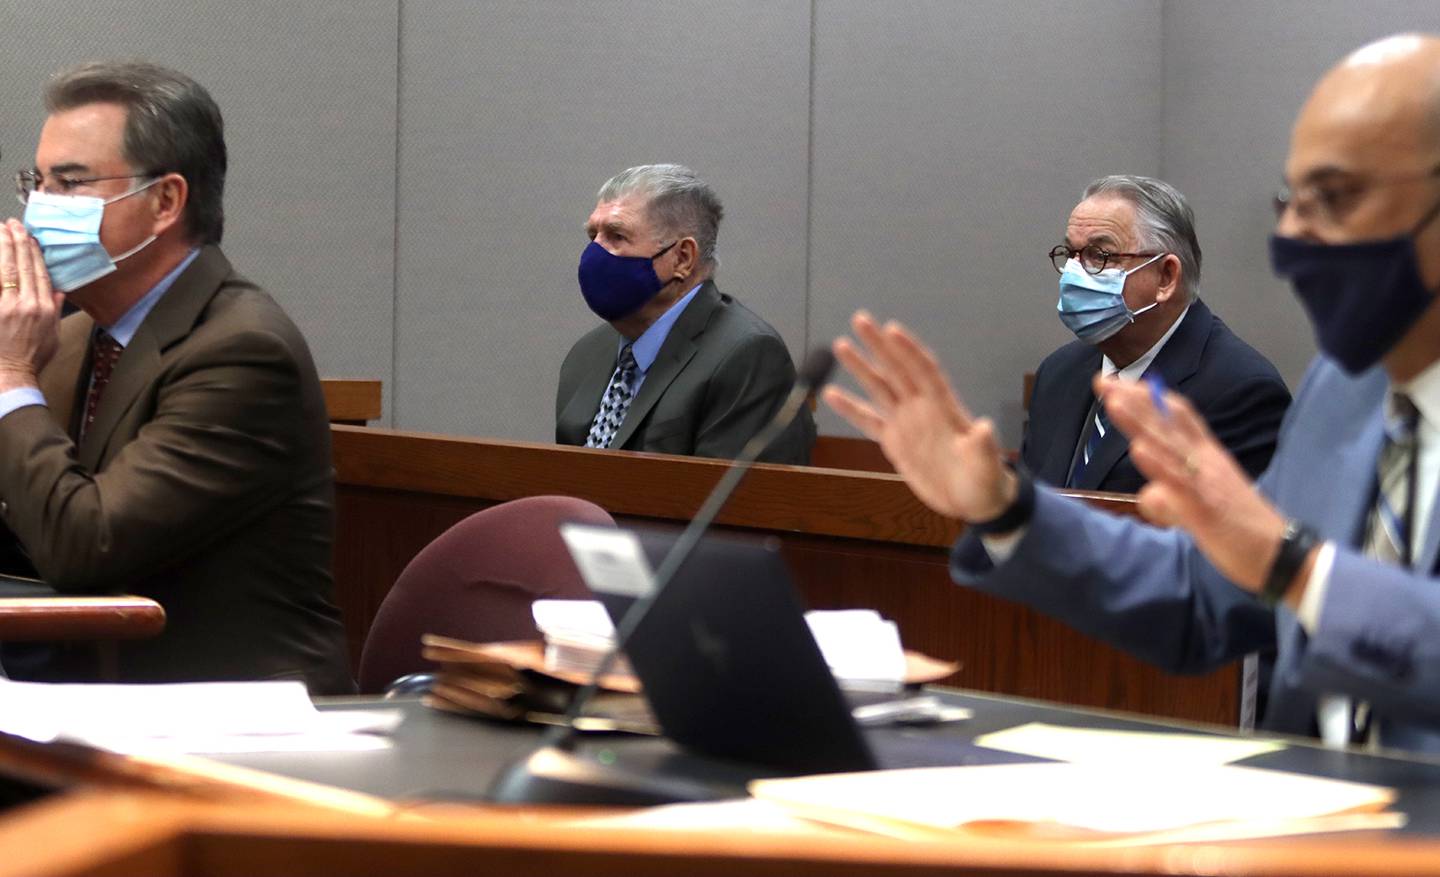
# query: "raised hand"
[948,458]
[1194,483]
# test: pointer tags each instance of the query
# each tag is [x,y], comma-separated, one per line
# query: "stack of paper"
[578,634]
[207,717]
[1082,802]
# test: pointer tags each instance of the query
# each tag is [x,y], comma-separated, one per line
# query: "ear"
[687,259]
[1170,274]
[168,200]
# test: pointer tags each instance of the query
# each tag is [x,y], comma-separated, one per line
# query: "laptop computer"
[729,665]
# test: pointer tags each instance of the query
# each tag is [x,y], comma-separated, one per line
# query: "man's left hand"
[29,309]
[1194,483]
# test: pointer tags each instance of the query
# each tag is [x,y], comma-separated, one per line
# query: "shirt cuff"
[1313,599]
[21,397]
[1001,545]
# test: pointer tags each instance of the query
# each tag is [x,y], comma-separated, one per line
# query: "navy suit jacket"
[1236,390]
[1152,593]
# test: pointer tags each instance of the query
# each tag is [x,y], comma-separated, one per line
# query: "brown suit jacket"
[205,483]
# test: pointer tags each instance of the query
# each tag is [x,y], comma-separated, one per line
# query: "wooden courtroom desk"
[32,612]
[121,827]
[852,539]
[354,402]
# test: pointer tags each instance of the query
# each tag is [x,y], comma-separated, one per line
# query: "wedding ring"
[9,284]
[1190,467]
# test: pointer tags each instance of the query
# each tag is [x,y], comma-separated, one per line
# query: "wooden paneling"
[853,539]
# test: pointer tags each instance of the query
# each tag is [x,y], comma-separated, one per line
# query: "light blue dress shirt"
[648,345]
[123,331]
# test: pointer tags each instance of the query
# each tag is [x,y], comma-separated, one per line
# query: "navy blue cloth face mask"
[1361,298]
[617,286]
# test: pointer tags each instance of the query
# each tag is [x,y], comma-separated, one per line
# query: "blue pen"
[1157,394]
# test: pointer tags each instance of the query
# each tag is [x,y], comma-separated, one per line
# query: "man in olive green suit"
[172,440]
[678,367]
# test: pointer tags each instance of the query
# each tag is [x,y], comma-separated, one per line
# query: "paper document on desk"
[187,717]
[1098,746]
[1080,803]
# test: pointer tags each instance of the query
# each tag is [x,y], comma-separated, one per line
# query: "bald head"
[1387,91]
[1371,127]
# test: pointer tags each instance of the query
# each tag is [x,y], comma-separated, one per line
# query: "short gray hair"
[1164,217]
[677,202]
[172,125]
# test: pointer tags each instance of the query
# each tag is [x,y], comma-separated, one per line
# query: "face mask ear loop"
[135,249]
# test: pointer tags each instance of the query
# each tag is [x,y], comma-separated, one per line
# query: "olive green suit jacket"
[204,483]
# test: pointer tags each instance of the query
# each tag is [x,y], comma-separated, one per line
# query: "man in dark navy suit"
[1129,270]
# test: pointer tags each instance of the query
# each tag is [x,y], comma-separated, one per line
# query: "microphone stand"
[552,772]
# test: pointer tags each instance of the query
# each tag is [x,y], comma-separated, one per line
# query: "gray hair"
[677,202]
[1164,217]
[172,125]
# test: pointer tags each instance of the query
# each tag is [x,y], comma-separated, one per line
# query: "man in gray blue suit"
[1331,557]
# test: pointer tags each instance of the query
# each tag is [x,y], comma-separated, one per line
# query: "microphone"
[552,773]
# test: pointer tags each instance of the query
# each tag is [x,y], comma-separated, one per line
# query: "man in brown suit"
[172,440]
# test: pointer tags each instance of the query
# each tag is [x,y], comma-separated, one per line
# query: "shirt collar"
[647,346]
[1134,370]
[125,328]
[1424,391]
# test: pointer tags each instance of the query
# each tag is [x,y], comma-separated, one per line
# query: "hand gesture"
[1194,483]
[948,458]
[29,310]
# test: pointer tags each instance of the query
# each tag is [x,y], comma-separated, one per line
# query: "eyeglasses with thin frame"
[1092,258]
[1329,200]
[32,180]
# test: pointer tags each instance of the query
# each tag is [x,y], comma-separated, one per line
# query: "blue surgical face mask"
[1361,298]
[1093,305]
[617,286]
[67,228]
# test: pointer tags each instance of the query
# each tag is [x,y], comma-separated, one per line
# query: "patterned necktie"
[614,403]
[104,353]
[1389,532]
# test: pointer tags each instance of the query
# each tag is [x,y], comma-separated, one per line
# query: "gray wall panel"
[513,114]
[951,141]
[1236,73]
[308,93]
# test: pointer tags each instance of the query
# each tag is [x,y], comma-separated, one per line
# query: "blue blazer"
[1236,390]
[1152,593]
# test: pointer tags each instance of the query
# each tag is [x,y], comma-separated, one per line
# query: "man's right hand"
[947,457]
[29,309]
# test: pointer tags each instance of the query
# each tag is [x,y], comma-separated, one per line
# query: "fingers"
[9,270]
[859,415]
[865,374]
[925,373]
[24,267]
[887,367]
[38,271]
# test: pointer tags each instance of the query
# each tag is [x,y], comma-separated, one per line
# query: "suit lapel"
[1175,364]
[1074,401]
[171,319]
[65,378]
[584,402]
[677,351]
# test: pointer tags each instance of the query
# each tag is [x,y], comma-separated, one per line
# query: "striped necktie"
[1389,532]
[615,402]
[1097,427]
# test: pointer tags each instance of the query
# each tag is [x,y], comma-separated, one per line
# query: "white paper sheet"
[186,717]
[1096,746]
